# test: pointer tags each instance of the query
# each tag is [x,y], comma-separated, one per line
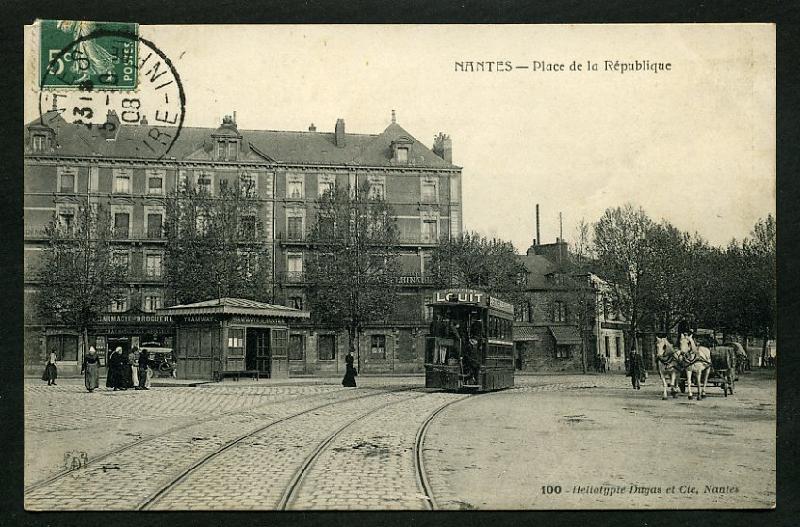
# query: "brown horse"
[668,363]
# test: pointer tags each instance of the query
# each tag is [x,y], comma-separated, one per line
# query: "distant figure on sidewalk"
[50,369]
[144,369]
[350,373]
[91,369]
[116,376]
[127,372]
[133,359]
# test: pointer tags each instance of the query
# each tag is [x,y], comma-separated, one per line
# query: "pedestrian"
[127,371]
[50,369]
[133,359]
[350,373]
[636,369]
[91,369]
[144,359]
[116,375]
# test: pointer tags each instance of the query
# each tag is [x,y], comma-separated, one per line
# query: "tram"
[470,344]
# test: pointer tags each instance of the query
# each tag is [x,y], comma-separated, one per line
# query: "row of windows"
[326,347]
[204,181]
[153,263]
[150,302]
[523,312]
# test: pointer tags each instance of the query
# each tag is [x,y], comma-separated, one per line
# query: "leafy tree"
[473,261]
[759,251]
[352,269]
[216,246]
[78,274]
[624,258]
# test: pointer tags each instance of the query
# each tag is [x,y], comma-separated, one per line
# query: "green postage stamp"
[88,55]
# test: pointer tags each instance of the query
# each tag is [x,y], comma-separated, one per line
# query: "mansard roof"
[284,147]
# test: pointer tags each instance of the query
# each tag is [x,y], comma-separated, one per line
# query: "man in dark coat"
[684,328]
[144,362]
[636,369]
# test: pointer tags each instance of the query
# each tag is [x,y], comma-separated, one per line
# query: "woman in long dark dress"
[350,373]
[115,374]
[91,370]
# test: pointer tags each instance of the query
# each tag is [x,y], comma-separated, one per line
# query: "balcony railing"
[407,239]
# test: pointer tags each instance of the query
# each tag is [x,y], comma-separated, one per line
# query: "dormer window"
[401,148]
[39,143]
[227,140]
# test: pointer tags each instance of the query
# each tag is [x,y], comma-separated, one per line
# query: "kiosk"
[231,337]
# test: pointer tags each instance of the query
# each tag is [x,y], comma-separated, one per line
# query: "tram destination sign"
[462,296]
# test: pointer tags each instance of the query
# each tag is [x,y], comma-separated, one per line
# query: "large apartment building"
[67,164]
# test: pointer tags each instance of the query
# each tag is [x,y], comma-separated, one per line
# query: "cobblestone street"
[389,444]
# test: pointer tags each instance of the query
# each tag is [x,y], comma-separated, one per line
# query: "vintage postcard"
[403,267]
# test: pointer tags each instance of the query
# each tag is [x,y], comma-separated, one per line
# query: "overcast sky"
[695,145]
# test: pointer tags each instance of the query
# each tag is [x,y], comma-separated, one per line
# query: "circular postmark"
[118,85]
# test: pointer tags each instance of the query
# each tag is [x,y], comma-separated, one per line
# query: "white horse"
[668,363]
[696,360]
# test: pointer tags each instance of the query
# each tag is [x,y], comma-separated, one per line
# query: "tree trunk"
[85,336]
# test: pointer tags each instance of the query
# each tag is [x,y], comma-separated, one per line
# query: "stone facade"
[566,318]
[67,164]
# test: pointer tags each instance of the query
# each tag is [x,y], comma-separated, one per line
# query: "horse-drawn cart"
[722,373]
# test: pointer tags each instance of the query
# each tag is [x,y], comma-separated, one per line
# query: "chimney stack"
[234,118]
[538,235]
[394,118]
[312,128]
[443,147]
[339,135]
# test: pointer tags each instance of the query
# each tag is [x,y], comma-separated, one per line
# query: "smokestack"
[234,117]
[339,132]
[538,236]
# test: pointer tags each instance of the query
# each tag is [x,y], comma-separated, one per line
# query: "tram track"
[155,497]
[284,496]
[295,484]
[152,437]
[297,479]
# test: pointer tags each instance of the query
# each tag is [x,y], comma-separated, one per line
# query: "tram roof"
[234,306]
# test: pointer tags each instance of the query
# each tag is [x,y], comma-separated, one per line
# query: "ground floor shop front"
[133,329]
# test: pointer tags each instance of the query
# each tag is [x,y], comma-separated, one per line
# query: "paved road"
[312,446]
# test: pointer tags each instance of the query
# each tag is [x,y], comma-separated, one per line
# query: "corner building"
[67,163]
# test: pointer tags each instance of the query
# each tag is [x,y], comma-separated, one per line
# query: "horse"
[695,360]
[741,357]
[668,363]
